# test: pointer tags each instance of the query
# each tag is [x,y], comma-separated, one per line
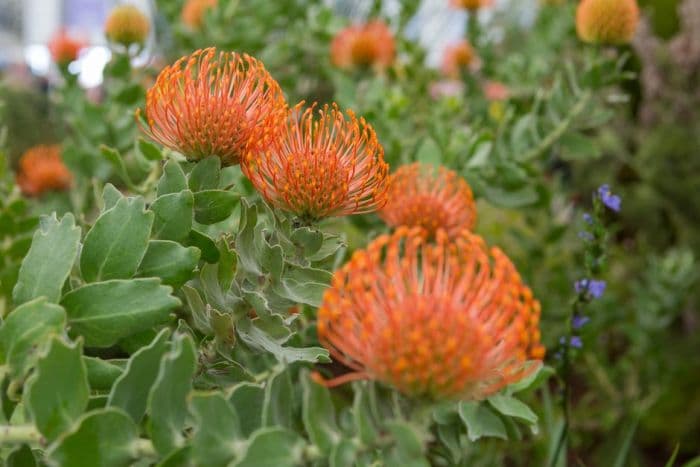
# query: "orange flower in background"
[127,25]
[322,165]
[41,169]
[495,91]
[211,103]
[445,320]
[607,21]
[421,195]
[471,5]
[64,48]
[370,44]
[457,58]
[193,12]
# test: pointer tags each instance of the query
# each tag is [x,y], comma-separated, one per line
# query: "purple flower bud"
[579,321]
[612,201]
[587,218]
[576,342]
[596,288]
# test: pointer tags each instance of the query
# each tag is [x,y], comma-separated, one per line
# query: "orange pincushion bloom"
[127,25]
[41,169]
[457,58]
[369,44]
[213,104]
[471,5]
[421,195]
[193,12]
[445,320]
[320,167]
[607,21]
[64,48]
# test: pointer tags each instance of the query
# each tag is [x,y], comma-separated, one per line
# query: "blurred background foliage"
[575,118]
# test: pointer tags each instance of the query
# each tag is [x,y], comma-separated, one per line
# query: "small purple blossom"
[587,236]
[612,201]
[587,218]
[595,288]
[576,342]
[579,321]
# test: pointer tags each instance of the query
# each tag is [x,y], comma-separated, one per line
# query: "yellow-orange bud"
[607,21]
[127,25]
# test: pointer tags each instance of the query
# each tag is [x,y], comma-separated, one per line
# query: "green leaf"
[252,335]
[245,240]
[130,390]
[173,215]
[167,401]
[279,400]
[105,312]
[248,399]
[101,373]
[149,150]
[481,421]
[57,393]
[343,454]
[26,332]
[308,239]
[318,414]
[116,244]
[216,430]
[170,261]
[304,285]
[210,253]
[102,438]
[575,146]
[272,447]
[365,423]
[205,175]
[49,261]
[110,196]
[21,457]
[115,159]
[429,153]
[173,179]
[408,451]
[211,206]
[512,407]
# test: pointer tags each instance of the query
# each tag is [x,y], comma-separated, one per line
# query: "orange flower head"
[370,44]
[211,103]
[194,10]
[41,169]
[607,21]
[64,48]
[322,165]
[127,25]
[421,195]
[457,58]
[443,320]
[471,5]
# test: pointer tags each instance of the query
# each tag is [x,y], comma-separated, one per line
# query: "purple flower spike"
[579,321]
[612,201]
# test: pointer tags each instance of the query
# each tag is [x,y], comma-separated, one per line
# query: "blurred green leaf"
[211,206]
[101,373]
[57,393]
[272,447]
[104,438]
[481,421]
[21,457]
[256,337]
[205,175]
[173,179]
[512,407]
[216,430]
[105,312]
[318,414]
[210,253]
[115,245]
[409,446]
[110,197]
[279,400]
[49,261]
[248,399]
[149,150]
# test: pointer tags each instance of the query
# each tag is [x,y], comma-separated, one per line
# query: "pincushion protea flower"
[457,58]
[41,169]
[369,44]
[471,5]
[323,164]
[444,320]
[607,21]
[421,195]
[213,104]
[64,48]
[193,12]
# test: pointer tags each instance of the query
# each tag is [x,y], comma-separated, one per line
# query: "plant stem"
[20,434]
